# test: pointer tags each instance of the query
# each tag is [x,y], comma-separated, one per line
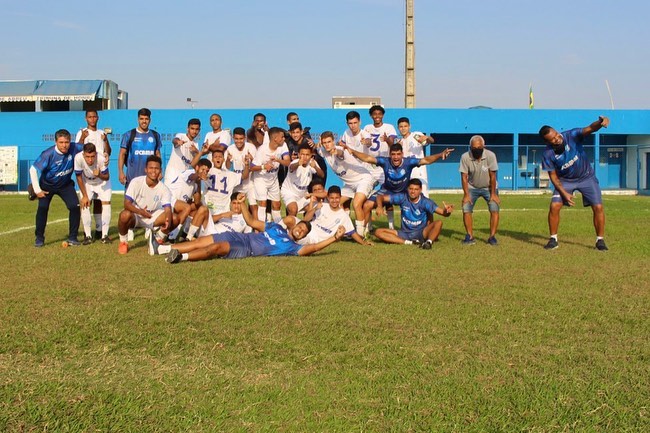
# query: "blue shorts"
[380,191]
[410,235]
[589,188]
[474,194]
[240,248]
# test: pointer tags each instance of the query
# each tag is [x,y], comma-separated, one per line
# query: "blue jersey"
[573,163]
[415,216]
[144,145]
[397,178]
[54,168]
[273,241]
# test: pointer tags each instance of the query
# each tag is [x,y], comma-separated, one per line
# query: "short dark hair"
[144,112]
[219,150]
[313,183]
[239,131]
[544,130]
[204,161]
[305,146]
[396,147]
[62,133]
[295,125]
[327,134]
[259,115]
[234,196]
[307,223]
[290,114]
[91,110]
[415,181]
[153,158]
[352,115]
[334,189]
[194,121]
[403,120]
[89,148]
[275,130]
[376,108]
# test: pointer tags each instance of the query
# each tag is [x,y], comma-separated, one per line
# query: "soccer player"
[357,179]
[217,138]
[239,155]
[272,239]
[413,143]
[294,190]
[221,182]
[258,133]
[382,137]
[91,134]
[397,171]
[265,168]
[51,175]
[147,203]
[94,184]
[418,226]
[136,146]
[478,176]
[326,217]
[569,170]
[183,151]
[355,138]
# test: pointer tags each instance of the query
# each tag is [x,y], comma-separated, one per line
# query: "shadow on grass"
[530,238]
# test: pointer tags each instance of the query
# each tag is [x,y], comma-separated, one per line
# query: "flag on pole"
[531,98]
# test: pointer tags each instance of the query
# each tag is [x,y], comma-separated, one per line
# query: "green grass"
[382,338]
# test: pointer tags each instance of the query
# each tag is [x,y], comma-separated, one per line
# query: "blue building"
[620,154]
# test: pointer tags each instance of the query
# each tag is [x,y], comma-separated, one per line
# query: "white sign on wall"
[8,165]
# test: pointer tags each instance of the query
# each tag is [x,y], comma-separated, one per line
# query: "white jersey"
[182,187]
[414,148]
[263,155]
[95,137]
[235,224]
[354,142]
[297,181]
[237,160]
[347,167]
[219,187]
[379,147]
[223,137]
[88,171]
[326,222]
[143,196]
[180,158]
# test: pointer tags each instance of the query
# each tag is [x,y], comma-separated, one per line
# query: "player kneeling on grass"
[273,239]
[294,189]
[418,227]
[147,203]
[94,184]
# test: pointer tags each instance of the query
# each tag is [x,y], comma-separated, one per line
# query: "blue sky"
[298,54]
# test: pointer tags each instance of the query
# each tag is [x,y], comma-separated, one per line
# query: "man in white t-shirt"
[220,183]
[94,184]
[217,138]
[185,147]
[147,203]
[239,155]
[413,144]
[91,134]
[382,136]
[265,165]
[294,189]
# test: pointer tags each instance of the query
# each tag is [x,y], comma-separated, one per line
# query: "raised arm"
[360,155]
[311,249]
[433,158]
[250,221]
[602,122]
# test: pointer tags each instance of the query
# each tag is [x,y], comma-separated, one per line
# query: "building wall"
[511,133]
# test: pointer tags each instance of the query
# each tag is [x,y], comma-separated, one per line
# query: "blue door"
[614,167]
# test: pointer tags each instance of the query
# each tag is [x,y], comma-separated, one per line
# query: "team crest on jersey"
[338,220]
[150,139]
[156,198]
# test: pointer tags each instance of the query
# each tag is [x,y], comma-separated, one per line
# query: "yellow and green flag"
[531,97]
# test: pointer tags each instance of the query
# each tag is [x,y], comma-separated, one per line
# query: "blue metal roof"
[68,90]
[17,91]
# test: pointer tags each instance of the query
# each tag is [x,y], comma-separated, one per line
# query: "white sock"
[554,236]
[130,234]
[85,220]
[407,242]
[99,217]
[185,257]
[361,227]
[124,238]
[105,219]
[261,213]
[391,219]
[164,249]
[160,236]
[276,215]
[191,232]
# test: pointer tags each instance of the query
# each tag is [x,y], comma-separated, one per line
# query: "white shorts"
[364,187]
[102,191]
[291,197]
[148,223]
[249,190]
[267,189]
[378,174]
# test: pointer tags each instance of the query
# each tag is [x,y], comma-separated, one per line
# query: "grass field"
[372,339]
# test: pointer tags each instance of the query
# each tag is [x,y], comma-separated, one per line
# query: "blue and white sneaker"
[469,240]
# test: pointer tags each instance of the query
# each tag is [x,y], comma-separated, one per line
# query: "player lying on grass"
[273,239]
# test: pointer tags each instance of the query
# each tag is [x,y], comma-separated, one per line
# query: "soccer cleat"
[87,240]
[153,246]
[427,245]
[106,240]
[468,240]
[73,243]
[416,242]
[600,245]
[123,248]
[492,241]
[552,244]
[174,256]
[39,243]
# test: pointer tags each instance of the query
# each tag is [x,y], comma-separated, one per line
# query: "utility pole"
[409,58]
